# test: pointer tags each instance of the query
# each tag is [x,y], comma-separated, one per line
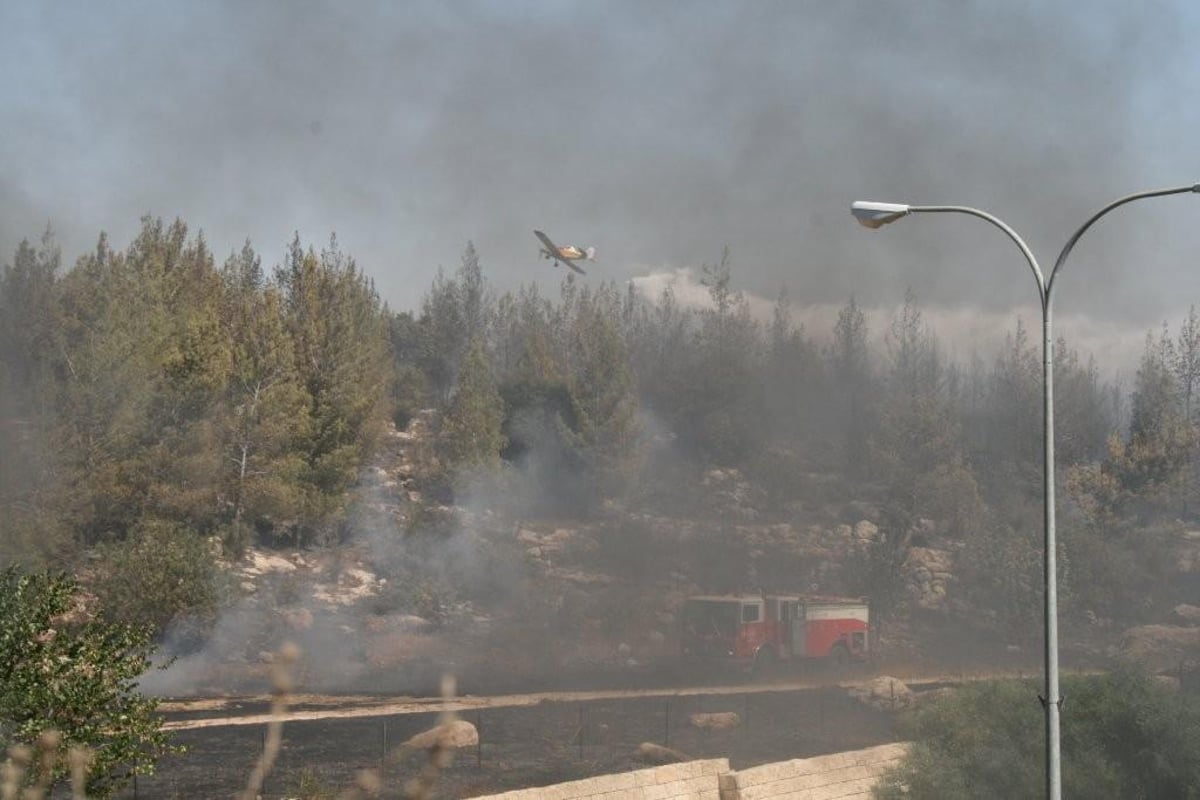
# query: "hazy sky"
[657,131]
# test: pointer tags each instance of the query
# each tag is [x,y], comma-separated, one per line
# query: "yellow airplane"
[566,255]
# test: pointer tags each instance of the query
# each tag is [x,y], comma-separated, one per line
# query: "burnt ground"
[520,746]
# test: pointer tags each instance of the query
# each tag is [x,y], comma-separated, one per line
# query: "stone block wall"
[691,780]
[838,776]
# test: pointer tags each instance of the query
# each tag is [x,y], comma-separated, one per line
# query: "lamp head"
[875,215]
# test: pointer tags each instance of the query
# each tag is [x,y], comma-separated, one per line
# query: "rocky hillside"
[504,600]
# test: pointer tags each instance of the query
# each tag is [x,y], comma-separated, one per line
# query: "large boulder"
[865,532]
[1187,556]
[1161,647]
[730,495]
[884,693]
[1187,614]
[716,721]
[452,735]
[929,572]
[650,753]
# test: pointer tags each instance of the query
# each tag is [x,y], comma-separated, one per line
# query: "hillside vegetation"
[581,460]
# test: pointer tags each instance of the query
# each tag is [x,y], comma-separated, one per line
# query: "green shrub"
[1123,736]
[162,576]
[60,671]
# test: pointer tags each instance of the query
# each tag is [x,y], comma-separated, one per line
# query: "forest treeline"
[155,400]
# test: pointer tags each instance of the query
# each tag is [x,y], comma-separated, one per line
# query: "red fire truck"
[758,631]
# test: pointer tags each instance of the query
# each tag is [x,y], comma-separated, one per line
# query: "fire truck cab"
[756,631]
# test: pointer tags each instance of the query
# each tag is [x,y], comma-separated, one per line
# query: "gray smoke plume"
[658,133]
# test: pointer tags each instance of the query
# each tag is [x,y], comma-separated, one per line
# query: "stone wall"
[839,776]
[691,780]
[844,776]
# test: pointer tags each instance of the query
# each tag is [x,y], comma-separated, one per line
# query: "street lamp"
[875,215]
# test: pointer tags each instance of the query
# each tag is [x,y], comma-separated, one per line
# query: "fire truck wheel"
[839,658]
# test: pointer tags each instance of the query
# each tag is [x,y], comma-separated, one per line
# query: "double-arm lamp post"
[875,215]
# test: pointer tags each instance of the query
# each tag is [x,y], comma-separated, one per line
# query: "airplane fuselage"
[565,255]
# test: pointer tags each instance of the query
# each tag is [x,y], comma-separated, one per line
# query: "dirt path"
[316,707]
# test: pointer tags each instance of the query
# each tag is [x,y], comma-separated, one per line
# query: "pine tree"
[851,371]
[29,343]
[793,379]
[604,426]
[471,430]
[721,405]
[918,448]
[264,417]
[28,329]
[339,332]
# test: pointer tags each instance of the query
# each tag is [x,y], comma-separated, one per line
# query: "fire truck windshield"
[712,617]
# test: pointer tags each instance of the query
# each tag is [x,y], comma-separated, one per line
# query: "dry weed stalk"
[41,762]
[282,683]
[80,759]
[440,753]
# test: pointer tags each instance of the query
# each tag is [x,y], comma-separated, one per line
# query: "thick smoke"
[658,134]
[966,332]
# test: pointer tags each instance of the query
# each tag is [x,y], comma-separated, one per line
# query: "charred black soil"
[519,747]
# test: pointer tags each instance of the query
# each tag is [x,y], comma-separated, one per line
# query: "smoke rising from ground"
[658,134]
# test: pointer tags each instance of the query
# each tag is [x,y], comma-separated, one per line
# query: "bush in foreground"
[63,672]
[1123,736]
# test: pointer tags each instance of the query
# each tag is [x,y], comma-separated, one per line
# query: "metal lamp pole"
[875,215]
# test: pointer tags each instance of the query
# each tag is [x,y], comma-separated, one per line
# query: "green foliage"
[1122,736]
[1000,577]
[603,429]
[339,335]
[162,577]
[918,447]
[794,383]
[850,367]
[722,407]
[307,784]
[1150,472]
[1121,574]
[471,434]
[877,571]
[1143,477]
[264,420]
[28,330]
[60,671]
[1007,436]
[155,385]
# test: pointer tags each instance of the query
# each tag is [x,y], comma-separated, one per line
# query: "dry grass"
[40,762]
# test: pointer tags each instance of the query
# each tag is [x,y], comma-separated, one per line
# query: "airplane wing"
[552,251]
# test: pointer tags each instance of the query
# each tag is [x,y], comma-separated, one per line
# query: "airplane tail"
[590,253]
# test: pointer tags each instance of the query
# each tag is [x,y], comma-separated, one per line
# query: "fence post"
[262,789]
[667,723]
[383,752]
[479,738]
